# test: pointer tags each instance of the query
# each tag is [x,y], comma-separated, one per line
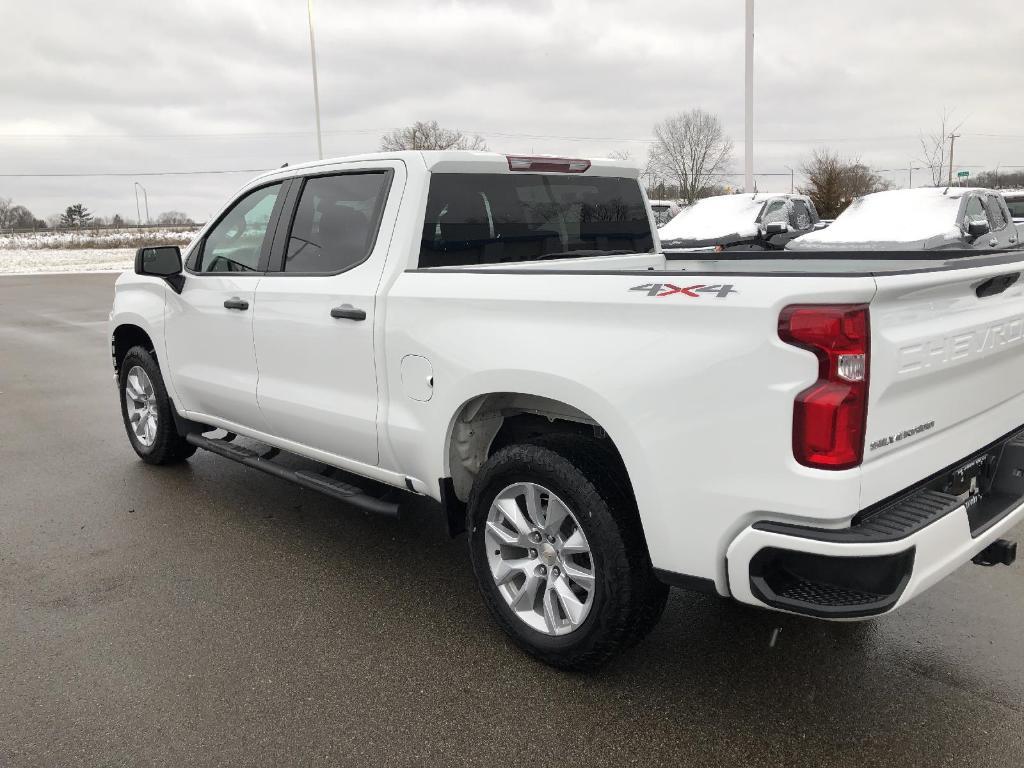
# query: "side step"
[329,486]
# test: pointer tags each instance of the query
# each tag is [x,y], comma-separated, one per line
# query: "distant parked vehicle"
[918,219]
[664,211]
[1015,202]
[762,221]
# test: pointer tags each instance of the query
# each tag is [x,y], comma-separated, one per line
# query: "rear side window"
[478,218]
[801,218]
[335,223]
[996,219]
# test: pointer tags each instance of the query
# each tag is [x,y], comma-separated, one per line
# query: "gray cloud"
[864,78]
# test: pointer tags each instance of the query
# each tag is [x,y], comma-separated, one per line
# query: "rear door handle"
[236,303]
[348,312]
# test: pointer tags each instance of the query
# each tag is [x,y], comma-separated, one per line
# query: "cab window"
[236,242]
[801,218]
[335,224]
[996,218]
[975,211]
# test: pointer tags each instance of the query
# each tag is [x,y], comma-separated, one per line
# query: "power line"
[129,173]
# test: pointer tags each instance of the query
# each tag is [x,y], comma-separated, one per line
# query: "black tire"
[168,446]
[628,600]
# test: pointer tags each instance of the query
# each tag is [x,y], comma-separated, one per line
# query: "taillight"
[547,164]
[829,416]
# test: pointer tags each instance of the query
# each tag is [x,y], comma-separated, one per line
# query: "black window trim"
[280,247]
[194,260]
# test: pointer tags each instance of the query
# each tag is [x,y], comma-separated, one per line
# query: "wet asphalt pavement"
[208,614]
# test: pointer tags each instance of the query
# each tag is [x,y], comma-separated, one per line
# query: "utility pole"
[145,196]
[748,136]
[792,182]
[952,140]
[910,176]
[316,86]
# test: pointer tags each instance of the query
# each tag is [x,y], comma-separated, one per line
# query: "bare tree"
[619,154]
[174,219]
[690,151]
[935,148]
[833,183]
[430,135]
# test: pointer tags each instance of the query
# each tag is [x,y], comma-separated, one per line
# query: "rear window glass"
[477,218]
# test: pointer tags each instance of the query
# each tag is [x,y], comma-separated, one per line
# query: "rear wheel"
[147,411]
[558,552]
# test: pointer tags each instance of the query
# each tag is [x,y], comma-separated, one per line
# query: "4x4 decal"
[658,290]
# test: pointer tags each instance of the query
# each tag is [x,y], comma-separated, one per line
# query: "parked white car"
[760,221]
[926,218]
[502,335]
[664,211]
[1015,202]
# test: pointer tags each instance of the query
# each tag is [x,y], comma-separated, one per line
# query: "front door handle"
[348,312]
[236,303]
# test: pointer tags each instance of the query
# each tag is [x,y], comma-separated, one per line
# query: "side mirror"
[819,225]
[161,261]
[977,228]
[775,228]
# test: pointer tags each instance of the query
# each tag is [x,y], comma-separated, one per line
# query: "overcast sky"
[133,87]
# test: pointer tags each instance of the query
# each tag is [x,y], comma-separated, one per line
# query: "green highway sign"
[963,174]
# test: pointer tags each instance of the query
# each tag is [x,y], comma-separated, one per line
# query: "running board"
[329,486]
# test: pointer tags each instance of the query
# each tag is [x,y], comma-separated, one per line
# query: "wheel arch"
[125,336]
[487,422]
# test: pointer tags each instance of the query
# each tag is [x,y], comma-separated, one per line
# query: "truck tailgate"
[947,369]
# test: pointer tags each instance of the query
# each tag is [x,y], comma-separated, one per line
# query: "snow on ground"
[36,260]
[100,238]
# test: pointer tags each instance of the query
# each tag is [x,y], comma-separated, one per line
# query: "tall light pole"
[145,196]
[316,86]
[748,138]
[952,140]
[792,179]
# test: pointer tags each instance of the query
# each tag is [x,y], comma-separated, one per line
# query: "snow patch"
[716,217]
[893,217]
[40,260]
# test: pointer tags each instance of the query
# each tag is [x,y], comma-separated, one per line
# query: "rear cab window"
[481,218]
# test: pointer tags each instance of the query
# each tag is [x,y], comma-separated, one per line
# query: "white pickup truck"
[827,435]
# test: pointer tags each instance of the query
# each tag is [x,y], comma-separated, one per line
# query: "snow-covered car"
[664,211]
[503,336]
[761,221]
[926,218]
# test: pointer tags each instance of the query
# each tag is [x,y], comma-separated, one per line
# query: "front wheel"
[147,411]
[559,555]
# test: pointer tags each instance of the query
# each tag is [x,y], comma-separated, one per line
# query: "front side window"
[335,223]
[483,218]
[236,243]
[775,210]
[1016,207]
[975,211]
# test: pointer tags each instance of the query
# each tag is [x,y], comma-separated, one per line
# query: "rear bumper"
[889,555]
